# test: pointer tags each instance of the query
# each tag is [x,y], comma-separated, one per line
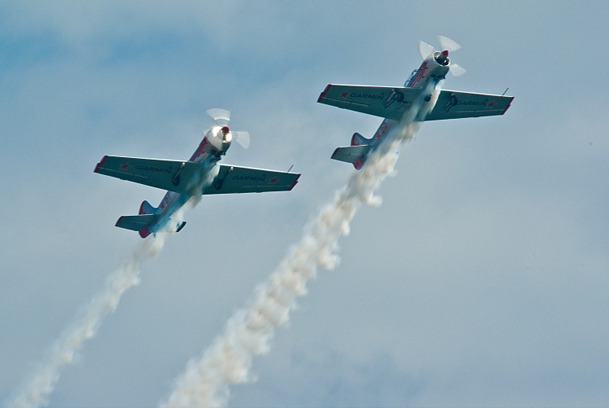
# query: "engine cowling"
[220,137]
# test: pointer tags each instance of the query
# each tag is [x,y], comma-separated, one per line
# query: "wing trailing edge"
[457,104]
[237,179]
[391,102]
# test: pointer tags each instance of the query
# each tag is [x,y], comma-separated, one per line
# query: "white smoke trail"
[248,332]
[35,393]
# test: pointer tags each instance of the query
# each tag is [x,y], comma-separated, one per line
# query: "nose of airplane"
[225,129]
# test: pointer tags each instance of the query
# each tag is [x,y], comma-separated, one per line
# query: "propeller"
[447,44]
[221,117]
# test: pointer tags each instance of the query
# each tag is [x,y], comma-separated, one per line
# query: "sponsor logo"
[396,96]
[260,178]
[454,101]
[153,169]
[362,95]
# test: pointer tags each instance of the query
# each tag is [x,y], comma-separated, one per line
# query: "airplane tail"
[359,140]
[144,220]
[139,223]
[356,153]
[147,208]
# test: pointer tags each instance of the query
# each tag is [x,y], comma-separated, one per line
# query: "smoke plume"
[35,393]
[205,383]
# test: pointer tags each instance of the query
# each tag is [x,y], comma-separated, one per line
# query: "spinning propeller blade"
[448,43]
[425,50]
[219,115]
[242,137]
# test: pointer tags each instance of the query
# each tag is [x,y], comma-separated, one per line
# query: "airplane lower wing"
[235,179]
[172,175]
[384,101]
[455,105]
[176,175]
[392,102]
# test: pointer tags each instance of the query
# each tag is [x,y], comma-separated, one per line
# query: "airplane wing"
[172,175]
[456,104]
[384,101]
[175,175]
[235,179]
[392,102]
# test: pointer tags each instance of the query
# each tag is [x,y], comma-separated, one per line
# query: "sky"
[481,280]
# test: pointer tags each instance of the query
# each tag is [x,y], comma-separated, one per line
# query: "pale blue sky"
[482,280]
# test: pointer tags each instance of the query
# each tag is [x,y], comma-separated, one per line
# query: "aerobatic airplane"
[186,180]
[420,99]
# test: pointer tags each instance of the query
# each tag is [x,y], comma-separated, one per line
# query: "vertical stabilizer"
[147,208]
[359,140]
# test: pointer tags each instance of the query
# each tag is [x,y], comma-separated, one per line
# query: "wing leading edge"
[172,175]
[236,179]
[456,104]
[175,175]
[384,101]
[392,102]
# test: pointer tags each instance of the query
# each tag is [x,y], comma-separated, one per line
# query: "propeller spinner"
[448,45]
[221,118]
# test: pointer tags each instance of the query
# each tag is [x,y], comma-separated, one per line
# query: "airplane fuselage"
[420,99]
[214,145]
[428,78]
[186,180]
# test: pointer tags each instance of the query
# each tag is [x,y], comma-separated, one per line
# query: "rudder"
[147,208]
[359,140]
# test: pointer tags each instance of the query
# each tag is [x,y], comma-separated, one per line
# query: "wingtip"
[295,182]
[508,105]
[321,96]
[100,164]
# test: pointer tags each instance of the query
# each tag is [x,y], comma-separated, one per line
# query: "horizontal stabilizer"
[350,154]
[135,222]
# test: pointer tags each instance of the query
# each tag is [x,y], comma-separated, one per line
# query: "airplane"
[420,99]
[186,180]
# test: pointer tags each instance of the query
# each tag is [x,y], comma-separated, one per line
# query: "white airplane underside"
[421,92]
[184,180]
